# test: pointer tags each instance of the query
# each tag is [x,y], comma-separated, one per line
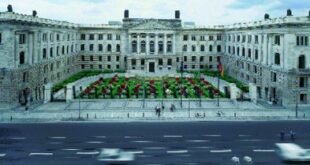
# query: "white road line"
[177,152]
[136,152]
[263,150]
[57,137]
[155,148]
[41,154]
[251,140]
[17,138]
[197,141]
[244,135]
[2,155]
[212,135]
[100,137]
[220,151]
[70,149]
[94,142]
[87,153]
[131,137]
[141,141]
[54,142]
[203,147]
[144,156]
[173,136]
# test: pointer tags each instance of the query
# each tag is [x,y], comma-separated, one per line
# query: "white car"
[115,156]
[290,152]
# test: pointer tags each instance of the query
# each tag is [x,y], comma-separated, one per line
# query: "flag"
[220,69]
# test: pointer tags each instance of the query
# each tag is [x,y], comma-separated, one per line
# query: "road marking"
[70,149]
[263,150]
[155,148]
[17,138]
[57,137]
[184,155]
[131,137]
[2,155]
[100,137]
[55,143]
[244,135]
[220,151]
[72,157]
[94,142]
[144,156]
[141,141]
[173,136]
[197,141]
[135,152]
[177,152]
[212,135]
[203,147]
[251,140]
[41,154]
[88,153]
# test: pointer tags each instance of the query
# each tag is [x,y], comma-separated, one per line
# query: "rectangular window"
[109,58]
[117,58]
[185,58]
[273,77]
[91,37]
[302,40]
[202,38]
[22,38]
[249,38]
[193,38]
[100,58]
[210,38]
[82,47]
[51,37]
[277,40]
[57,37]
[0,38]
[83,36]
[100,37]
[82,58]
[193,58]
[219,37]
[210,59]
[91,58]
[169,62]
[185,37]
[160,62]
[256,54]
[256,39]
[91,47]
[109,36]
[277,59]
[44,38]
[118,37]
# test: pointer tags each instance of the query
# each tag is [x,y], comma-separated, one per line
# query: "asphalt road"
[169,143]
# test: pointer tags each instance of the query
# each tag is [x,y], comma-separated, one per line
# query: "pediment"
[151,25]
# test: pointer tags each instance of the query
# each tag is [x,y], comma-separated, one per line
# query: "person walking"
[292,134]
[282,134]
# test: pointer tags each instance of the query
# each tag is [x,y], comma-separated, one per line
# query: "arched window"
[143,47]
[118,48]
[109,48]
[152,47]
[219,48]
[184,48]
[134,46]
[210,48]
[100,47]
[249,53]
[169,46]
[202,48]
[160,47]
[277,59]
[63,50]
[21,58]
[193,48]
[44,53]
[302,62]
[51,52]
[243,52]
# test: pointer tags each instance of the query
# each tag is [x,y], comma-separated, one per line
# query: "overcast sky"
[202,12]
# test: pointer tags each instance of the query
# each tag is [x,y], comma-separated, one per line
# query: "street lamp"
[297,96]
[80,103]
[182,69]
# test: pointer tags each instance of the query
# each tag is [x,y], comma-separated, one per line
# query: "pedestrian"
[172,107]
[282,134]
[292,134]
[159,110]
[162,107]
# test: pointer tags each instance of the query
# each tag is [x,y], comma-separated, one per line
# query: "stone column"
[233,92]
[138,44]
[253,92]
[165,44]
[47,92]
[69,95]
[173,44]
[147,44]
[156,44]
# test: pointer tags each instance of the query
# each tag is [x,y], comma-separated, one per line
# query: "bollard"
[87,116]
[127,115]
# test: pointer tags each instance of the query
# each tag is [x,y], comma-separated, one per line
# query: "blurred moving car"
[293,153]
[115,156]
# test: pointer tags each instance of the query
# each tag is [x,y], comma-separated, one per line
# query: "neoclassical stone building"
[274,54]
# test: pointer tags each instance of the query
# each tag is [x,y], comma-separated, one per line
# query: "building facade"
[274,54]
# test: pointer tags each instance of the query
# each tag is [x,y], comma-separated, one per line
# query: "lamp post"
[80,104]
[297,93]
[181,68]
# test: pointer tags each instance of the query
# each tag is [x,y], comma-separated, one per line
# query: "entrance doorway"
[152,67]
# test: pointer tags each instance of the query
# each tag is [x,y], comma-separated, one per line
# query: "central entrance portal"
[152,67]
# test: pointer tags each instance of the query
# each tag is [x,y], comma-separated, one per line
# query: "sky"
[202,12]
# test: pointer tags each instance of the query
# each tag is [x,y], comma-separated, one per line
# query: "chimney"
[289,12]
[10,8]
[126,13]
[267,16]
[34,13]
[177,14]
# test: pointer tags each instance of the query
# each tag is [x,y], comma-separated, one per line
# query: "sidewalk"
[133,110]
